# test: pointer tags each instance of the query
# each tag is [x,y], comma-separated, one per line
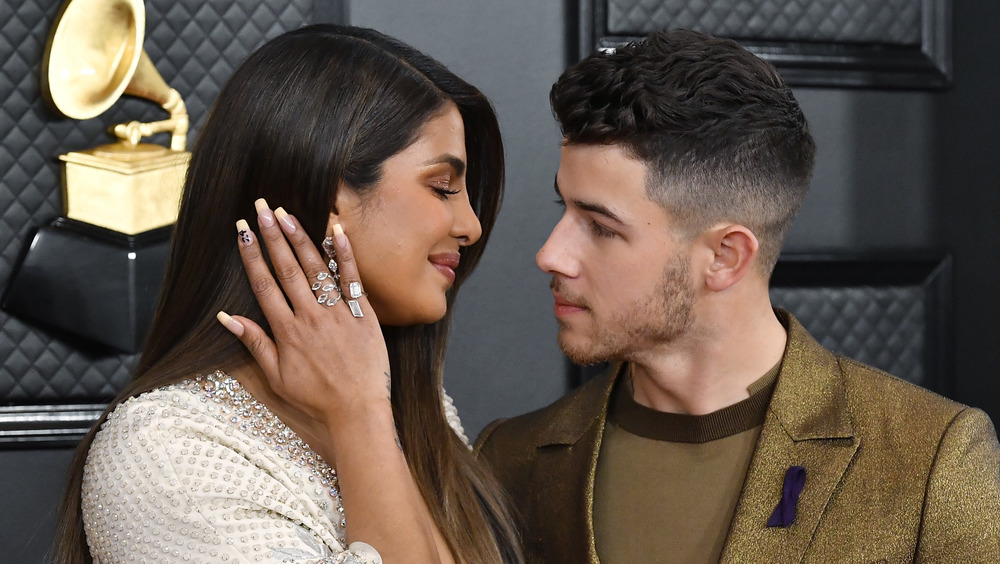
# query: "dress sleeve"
[165,485]
[961,521]
[309,553]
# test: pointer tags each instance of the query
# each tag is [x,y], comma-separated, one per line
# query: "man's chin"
[581,351]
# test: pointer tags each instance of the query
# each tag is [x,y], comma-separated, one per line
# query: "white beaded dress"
[200,471]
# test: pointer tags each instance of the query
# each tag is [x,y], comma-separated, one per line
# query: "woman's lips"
[446,263]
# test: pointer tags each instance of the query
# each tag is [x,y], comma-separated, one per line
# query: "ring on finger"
[327,283]
[354,290]
[328,301]
[355,308]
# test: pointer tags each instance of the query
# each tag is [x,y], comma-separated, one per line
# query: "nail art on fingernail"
[243,230]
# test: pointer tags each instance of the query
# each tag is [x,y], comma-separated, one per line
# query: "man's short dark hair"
[721,135]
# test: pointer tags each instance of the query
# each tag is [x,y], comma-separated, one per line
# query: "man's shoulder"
[893,410]
[564,420]
[816,380]
[879,394]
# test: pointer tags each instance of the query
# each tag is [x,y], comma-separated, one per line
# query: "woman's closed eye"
[443,188]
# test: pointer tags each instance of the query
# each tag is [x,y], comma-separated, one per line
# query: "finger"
[321,273]
[350,280]
[255,339]
[286,268]
[269,296]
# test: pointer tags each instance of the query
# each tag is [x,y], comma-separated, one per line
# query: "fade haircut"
[721,135]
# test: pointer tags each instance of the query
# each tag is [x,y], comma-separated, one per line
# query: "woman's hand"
[330,364]
[325,360]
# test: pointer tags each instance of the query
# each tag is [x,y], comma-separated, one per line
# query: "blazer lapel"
[564,473]
[807,425]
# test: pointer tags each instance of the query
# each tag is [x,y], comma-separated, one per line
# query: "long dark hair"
[311,109]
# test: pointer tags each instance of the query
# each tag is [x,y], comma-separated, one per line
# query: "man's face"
[620,273]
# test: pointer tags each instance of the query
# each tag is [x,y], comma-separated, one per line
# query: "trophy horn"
[94,55]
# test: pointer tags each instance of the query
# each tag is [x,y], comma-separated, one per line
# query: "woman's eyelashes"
[444,192]
[443,188]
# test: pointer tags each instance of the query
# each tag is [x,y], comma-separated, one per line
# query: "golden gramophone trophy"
[95,272]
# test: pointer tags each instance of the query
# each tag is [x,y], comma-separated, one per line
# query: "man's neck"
[709,368]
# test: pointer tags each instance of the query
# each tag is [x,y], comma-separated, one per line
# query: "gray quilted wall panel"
[195,44]
[883,327]
[893,22]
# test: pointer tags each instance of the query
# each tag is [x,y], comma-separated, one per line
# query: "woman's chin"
[400,317]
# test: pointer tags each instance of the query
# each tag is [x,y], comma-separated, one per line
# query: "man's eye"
[601,231]
[560,202]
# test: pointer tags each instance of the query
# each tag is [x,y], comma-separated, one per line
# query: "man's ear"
[734,249]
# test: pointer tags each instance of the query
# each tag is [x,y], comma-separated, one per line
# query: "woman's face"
[407,231]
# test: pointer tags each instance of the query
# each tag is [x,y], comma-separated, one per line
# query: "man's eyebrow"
[592,207]
[447,158]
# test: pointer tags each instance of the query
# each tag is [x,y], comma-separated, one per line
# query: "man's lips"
[564,307]
[446,263]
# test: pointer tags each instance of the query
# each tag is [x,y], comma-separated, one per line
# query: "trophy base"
[91,282]
[123,187]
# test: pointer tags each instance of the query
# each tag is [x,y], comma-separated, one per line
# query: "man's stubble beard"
[658,317]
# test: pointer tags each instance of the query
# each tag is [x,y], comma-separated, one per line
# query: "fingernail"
[286,222]
[264,215]
[338,234]
[243,229]
[234,327]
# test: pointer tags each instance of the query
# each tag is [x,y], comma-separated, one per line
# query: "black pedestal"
[91,282]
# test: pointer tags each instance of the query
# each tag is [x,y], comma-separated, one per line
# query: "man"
[725,432]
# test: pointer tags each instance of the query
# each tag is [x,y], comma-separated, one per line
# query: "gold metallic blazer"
[895,473]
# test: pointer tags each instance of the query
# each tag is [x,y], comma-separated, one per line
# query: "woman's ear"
[334,219]
[735,250]
[346,206]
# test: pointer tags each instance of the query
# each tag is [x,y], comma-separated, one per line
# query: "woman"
[214,453]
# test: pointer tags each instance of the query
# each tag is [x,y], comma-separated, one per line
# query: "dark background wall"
[895,171]
[966,199]
[878,187]
[195,45]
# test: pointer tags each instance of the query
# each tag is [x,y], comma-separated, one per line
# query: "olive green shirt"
[667,484]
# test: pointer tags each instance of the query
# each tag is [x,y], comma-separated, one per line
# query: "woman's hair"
[312,110]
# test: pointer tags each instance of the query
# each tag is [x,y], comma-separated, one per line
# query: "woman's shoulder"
[205,456]
[197,401]
[212,413]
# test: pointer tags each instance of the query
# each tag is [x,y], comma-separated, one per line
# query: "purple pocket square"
[784,513]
